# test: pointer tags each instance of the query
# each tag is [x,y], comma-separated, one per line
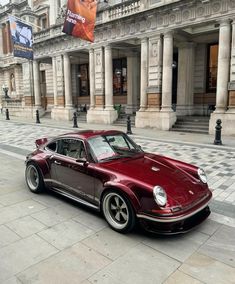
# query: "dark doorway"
[174,79]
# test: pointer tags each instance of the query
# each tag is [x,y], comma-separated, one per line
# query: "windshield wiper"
[116,157]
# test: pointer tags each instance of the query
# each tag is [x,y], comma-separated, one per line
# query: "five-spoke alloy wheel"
[118,211]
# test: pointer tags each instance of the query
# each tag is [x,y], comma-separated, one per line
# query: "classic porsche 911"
[107,171]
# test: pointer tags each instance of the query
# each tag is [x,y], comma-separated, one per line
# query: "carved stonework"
[136,23]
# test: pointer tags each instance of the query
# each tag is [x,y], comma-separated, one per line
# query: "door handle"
[57,163]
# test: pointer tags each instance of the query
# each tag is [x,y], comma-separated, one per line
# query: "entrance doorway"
[174,79]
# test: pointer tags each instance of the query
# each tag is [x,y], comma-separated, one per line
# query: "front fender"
[126,191]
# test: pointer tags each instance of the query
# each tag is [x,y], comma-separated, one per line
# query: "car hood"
[150,170]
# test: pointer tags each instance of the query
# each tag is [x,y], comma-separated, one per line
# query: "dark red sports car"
[107,171]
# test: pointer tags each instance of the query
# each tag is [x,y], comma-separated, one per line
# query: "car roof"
[85,134]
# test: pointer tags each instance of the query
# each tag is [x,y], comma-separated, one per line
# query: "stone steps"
[192,124]
[122,120]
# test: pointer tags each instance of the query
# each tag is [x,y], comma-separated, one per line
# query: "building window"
[120,76]
[212,67]
[83,79]
[43,21]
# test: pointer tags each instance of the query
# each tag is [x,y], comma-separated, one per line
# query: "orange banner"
[80,19]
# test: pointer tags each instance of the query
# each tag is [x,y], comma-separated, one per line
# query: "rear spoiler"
[40,142]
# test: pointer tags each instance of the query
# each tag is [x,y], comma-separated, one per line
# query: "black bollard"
[218,128]
[128,125]
[37,116]
[75,121]
[7,114]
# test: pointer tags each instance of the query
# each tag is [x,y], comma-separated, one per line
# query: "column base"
[101,116]
[228,121]
[157,119]
[61,113]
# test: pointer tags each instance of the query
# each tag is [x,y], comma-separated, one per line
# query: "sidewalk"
[150,133]
[48,239]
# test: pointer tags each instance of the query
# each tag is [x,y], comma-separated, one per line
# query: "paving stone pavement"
[48,239]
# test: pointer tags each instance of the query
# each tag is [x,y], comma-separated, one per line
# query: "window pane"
[213,66]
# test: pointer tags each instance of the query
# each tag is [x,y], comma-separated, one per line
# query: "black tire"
[33,178]
[118,211]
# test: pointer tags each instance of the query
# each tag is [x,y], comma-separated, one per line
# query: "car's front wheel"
[118,211]
[34,178]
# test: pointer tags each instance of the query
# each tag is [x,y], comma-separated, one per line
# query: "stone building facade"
[159,59]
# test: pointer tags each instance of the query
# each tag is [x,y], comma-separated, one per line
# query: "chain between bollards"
[218,128]
[7,114]
[37,117]
[128,125]
[75,120]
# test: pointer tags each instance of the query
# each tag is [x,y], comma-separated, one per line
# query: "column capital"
[224,22]
[66,55]
[144,40]
[168,34]
[155,37]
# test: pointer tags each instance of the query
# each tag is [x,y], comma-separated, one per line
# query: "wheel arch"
[126,191]
[42,165]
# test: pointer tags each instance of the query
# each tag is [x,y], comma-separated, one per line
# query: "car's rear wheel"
[118,211]
[34,178]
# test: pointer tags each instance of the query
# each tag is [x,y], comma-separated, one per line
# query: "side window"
[52,146]
[72,148]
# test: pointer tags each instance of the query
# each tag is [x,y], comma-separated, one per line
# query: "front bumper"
[174,225]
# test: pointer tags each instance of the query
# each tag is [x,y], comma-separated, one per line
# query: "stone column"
[108,78]
[223,67]
[168,117]
[167,73]
[143,74]
[1,41]
[231,106]
[92,78]
[36,83]
[67,82]
[54,68]
[133,85]
[185,79]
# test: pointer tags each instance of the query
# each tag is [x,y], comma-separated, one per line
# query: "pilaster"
[185,78]
[92,78]
[144,74]
[36,82]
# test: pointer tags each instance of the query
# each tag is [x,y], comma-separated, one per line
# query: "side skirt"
[75,198]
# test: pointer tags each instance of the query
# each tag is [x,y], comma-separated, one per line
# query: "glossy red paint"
[134,177]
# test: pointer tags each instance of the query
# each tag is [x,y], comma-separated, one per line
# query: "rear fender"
[43,165]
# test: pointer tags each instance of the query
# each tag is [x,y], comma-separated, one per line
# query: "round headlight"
[159,195]
[202,175]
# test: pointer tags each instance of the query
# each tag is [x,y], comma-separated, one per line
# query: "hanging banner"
[80,19]
[22,37]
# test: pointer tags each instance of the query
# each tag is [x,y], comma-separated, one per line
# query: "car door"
[72,170]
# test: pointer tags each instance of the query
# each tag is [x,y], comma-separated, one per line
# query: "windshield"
[113,147]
